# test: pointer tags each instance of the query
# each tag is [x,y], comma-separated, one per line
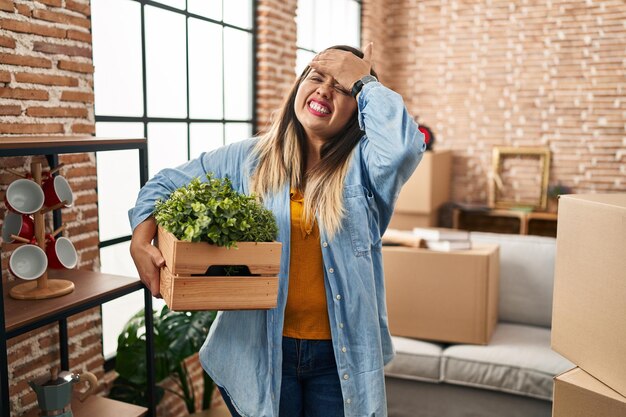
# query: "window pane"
[116,313]
[118,180]
[116,260]
[323,31]
[237,74]
[207,8]
[167,146]
[179,4]
[238,13]
[205,137]
[302,60]
[117,38]
[165,63]
[352,27]
[205,70]
[304,20]
[235,132]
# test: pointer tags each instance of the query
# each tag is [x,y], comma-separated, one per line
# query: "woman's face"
[323,106]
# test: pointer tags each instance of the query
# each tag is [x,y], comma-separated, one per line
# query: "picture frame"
[498,198]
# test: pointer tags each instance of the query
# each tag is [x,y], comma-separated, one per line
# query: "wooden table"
[526,220]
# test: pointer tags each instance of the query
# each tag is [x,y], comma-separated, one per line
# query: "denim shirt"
[243,352]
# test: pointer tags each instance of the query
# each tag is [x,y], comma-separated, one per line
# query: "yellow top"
[306,314]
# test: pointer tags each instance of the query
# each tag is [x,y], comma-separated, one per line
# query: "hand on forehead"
[343,66]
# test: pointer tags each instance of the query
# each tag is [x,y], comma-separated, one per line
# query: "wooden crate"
[185,287]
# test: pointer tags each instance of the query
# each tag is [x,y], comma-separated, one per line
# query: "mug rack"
[42,288]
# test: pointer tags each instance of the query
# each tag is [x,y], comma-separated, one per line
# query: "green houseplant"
[211,211]
[207,232]
[177,335]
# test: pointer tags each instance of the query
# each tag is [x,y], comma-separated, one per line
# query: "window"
[179,72]
[324,23]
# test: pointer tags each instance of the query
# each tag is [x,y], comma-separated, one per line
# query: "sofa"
[512,376]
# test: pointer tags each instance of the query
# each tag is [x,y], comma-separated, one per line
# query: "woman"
[330,168]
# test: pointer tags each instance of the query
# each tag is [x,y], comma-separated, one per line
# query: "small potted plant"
[554,191]
[178,337]
[208,234]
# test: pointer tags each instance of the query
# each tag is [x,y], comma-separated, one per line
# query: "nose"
[325,90]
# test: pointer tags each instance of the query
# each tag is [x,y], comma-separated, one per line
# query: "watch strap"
[358,85]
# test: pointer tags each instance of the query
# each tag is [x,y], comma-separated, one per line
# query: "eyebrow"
[335,84]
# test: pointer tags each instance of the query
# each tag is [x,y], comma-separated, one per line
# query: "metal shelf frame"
[51,149]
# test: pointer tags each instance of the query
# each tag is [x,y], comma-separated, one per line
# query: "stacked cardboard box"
[578,394]
[589,312]
[423,194]
[442,296]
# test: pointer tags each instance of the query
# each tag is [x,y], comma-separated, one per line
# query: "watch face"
[368,79]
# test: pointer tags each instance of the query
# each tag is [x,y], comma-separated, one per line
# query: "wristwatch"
[358,86]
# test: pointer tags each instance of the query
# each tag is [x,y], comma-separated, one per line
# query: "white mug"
[24,196]
[57,189]
[61,253]
[21,225]
[28,262]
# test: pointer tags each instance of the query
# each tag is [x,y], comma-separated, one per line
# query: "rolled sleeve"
[393,144]
[227,161]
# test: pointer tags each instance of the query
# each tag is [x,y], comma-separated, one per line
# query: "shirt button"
[325,244]
[348,401]
[343,349]
[338,297]
[331,270]
[345,376]
[341,325]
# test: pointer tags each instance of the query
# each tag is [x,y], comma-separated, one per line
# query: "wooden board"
[25,142]
[90,286]
[186,258]
[187,293]
[95,406]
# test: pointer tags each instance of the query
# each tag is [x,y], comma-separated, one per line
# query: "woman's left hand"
[345,67]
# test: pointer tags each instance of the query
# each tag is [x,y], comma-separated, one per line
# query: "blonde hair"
[281,156]
[322,190]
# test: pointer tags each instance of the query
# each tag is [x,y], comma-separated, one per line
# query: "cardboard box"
[442,296]
[407,221]
[578,394]
[429,186]
[589,310]
[186,286]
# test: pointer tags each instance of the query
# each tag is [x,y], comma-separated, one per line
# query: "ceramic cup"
[28,262]
[57,189]
[24,196]
[61,253]
[21,225]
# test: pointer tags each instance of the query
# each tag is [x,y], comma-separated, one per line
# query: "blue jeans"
[310,383]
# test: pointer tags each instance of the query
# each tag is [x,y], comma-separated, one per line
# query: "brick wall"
[276,55]
[513,73]
[481,75]
[374,28]
[46,88]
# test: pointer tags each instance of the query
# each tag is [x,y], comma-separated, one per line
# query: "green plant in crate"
[177,335]
[211,211]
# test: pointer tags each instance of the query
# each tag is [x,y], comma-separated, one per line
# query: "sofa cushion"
[415,359]
[518,360]
[526,276]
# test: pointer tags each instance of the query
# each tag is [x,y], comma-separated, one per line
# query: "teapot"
[54,391]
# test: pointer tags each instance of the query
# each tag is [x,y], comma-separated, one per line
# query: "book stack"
[442,239]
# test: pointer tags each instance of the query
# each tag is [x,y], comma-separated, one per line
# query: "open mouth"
[319,108]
